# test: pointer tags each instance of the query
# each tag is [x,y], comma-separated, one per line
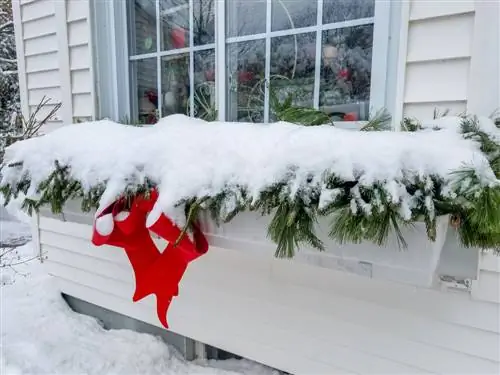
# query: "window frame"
[114,78]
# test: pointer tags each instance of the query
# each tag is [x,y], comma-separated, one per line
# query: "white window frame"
[113,79]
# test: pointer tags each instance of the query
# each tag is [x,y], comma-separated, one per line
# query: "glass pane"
[292,14]
[204,85]
[144,78]
[174,27]
[292,58]
[343,10]
[245,81]
[142,14]
[346,72]
[203,22]
[245,17]
[175,84]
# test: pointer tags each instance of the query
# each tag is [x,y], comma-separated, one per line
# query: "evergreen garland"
[358,213]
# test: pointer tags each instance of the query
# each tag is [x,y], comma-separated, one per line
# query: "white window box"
[414,265]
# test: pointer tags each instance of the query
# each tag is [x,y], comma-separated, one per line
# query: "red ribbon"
[155,272]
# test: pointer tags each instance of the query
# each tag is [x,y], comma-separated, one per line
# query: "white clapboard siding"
[39,65]
[439,47]
[345,323]
[80,59]
[54,42]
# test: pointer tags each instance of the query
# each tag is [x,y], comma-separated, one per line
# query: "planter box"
[414,265]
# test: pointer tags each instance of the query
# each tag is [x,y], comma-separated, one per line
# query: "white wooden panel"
[79,57]
[487,287]
[39,27]
[82,105]
[51,126]
[39,80]
[37,9]
[43,44]
[425,111]
[429,8]
[279,358]
[319,330]
[35,96]
[438,305]
[442,38]
[78,32]
[45,111]
[437,81]
[47,61]
[21,61]
[489,262]
[213,271]
[77,9]
[81,81]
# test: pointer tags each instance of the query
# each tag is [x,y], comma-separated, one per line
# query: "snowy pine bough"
[369,184]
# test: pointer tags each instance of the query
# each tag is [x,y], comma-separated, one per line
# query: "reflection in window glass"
[245,81]
[293,57]
[175,84]
[345,10]
[145,98]
[346,71]
[292,14]
[245,17]
[203,22]
[143,32]
[204,85]
[174,26]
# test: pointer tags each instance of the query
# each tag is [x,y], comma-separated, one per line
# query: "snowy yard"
[41,335]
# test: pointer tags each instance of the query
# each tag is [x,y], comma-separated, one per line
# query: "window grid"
[220,51]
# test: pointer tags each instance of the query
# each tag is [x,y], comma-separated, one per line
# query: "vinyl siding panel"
[438,58]
[345,323]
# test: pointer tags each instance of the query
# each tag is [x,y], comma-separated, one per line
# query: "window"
[224,58]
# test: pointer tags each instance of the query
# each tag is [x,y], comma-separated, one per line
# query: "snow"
[188,157]
[42,335]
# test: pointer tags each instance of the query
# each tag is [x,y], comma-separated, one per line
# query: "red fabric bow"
[155,272]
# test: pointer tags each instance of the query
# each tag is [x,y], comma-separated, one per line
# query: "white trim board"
[483,96]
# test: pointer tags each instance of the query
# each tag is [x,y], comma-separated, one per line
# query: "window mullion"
[317,62]
[191,58]
[267,72]
[158,58]
[220,58]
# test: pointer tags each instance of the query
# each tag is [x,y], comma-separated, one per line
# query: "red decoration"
[155,272]
[245,76]
[344,73]
[178,36]
[351,116]
[210,75]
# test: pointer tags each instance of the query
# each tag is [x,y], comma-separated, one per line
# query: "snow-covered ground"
[41,335]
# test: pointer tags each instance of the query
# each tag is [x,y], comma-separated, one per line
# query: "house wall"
[438,60]
[54,57]
[292,316]
[307,319]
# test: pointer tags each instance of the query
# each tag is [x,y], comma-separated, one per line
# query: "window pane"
[344,10]
[245,17]
[292,14]
[142,14]
[145,95]
[245,81]
[293,57]
[204,83]
[346,71]
[203,22]
[174,15]
[175,84]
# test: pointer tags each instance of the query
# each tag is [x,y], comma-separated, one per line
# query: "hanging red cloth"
[155,272]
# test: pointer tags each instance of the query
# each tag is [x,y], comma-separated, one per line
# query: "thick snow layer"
[188,157]
[41,335]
